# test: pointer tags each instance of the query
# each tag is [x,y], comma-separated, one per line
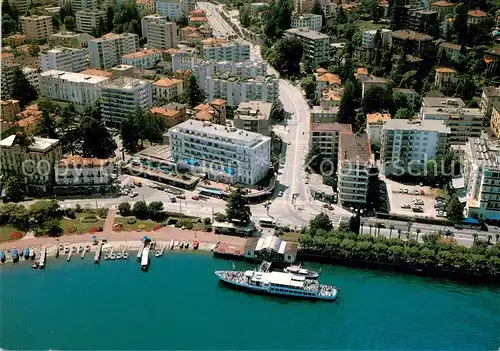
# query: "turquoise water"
[178,304]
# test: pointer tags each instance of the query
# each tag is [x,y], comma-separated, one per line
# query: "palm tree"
[391,228]
[418,232]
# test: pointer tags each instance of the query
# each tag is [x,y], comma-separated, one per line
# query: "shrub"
[208,228]
[178,224]
[141,226]
[286,229]
[78,208]
[207,220]
[131,220]
[102,212]
[17,235]
[89,219]
[189,225]
[70,213]
[71,229]
[156,227]
[124,208]
[117,227]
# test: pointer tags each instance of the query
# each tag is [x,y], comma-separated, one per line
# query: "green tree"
[140,210]
[66,10]
[286,56]
[348,103]
[46,125]
[96,140]
[9,25]
[377,98]
[124,208]
[153,128]
[455,210]
[245,17]
[314,159]
[320,222]
[110,14]
[22,89]
[129,132]
[192,94]
[56,21]
[14,187]
[279,18]
[44,210]
[183,21]
[155,208]
[405,113]
[460,24]
[237,209]
[70,23]
[309,85]
[54,227]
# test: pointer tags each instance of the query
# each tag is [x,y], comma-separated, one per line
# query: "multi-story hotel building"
[223,50]
[106,52]
[150,18]
[307,20]
[78,175]
[80,89]
[88,19]
[68,39]
[78,5]
[63,59]
[224,153]
[481,169]
[326,137]
[32,76]
[143,59]
[316,45]
[162,34]
[35,162]
[122,97]
[236,90]
[253,116]
[244,69]
[183,59]
[355,169]
[170,9]
[36,27]
[407,145]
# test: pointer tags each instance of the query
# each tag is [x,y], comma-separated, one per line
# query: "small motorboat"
[73,249]
[181,245]
[118,256]
[32,254]
[195,245]
[298,270]
[172,244]
[15,255]
[2,257]
[69,258]
[106,257]
[80,249]
[186,245]
[34,265]
[66,249]
[87,248]
[125,255]
[25,253]
[112,257]
[157,253]
[61,247]
[176,244]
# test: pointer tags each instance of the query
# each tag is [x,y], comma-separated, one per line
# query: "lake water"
[179,304]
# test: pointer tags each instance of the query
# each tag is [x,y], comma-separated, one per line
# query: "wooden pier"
[43,255]
[98,252]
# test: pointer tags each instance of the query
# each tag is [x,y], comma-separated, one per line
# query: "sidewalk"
[110,220]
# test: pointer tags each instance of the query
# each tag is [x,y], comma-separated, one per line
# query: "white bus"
[267,222]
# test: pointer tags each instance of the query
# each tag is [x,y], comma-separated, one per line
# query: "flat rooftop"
[74,77]
[254,109]
[126,83]
[483,153]
[218,130]
[307,33]
[423,125]
[39,144]
[442,102]
[354,148]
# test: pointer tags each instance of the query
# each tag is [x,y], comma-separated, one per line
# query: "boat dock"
[70,253]
[98,252]
[43,255]
[145,258]
[161,251]
[83,253]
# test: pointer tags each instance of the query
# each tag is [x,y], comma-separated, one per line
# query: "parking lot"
[414,200]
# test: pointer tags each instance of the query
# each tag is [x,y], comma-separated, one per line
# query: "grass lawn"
[81,227]
[147,224]
[369,25]
[6,232]
[291,236]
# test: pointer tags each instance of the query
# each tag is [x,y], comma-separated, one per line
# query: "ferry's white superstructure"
[279,283]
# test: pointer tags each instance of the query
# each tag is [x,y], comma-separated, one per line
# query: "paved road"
[221,28]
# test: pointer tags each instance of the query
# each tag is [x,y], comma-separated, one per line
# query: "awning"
[471,221]
[210,191]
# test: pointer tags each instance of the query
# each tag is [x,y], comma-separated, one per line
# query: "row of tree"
[435,254]
[142,210]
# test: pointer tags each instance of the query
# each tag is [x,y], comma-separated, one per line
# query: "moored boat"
[298,270]
[181,245]
[176,244]
[118,256]
[157,253]
[125,255]
[195,245]
[26,253]
[2,257]
[172,244]
[15,255]
[34,265]
[32,254]
[279,283]
[106,257]
[112,257]
[186,245]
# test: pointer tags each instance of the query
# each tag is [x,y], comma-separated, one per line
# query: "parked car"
[195,197]
[280,194]
[133,194]
[406,191]
[181,196]
[400,190]
[405,206]
[417,209]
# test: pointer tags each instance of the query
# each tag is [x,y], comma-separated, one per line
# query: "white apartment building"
[481,167]
[106,52]
[489,97]
[78,5]
[63,59]
[407,145]
[143,59]
[316,45]
[183,59]
[464,123]
[81,89]
[32,76]
[122,97]
[326,137]
[224,153]
[222,50]
[355,169]
[236,90]
[150,18]
[162,34]
[245,69]
[375,124]
[369,38]
[307,20]
[79,175]
[88,19]
[34,162]
[170,9]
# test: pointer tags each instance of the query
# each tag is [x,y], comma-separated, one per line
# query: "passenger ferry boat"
[279,283]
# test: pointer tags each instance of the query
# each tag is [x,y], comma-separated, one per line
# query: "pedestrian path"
[110,220]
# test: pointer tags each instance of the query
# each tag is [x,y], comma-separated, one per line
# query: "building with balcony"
[307,20]
[122,97]
[481,169]
[32,76]
[143,59]
[36,27]
[407,145]
[244,69]
[303,6]
[489,98]
[106,52]
[81,89]
[410,42]
[63,59]
[7,74]
[150,18]
[170,9]
[77,5]
[88,19]
[356,169]
[79,175]
[168,89]
[253,116]
[375,123]
[67,39]
[495,120]
[225,154]
[476,16]
[451,50]
[15,40]
[316,45]
[369,38]
[326,136]
[224,50]
[445,79]
[183,58]
[214,112]
[421,20]
[172,114]
[162,34]
[464,123]
[34,163]
[147,6]
[443,8]
[10,108]
[235,90]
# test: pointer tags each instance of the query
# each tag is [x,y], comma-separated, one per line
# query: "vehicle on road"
[133,194]
[195,197]
[152,185]
[406,206]
[280,194]
[406,191]
[417,209]
[181,196]
[137,183]
[267,222]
